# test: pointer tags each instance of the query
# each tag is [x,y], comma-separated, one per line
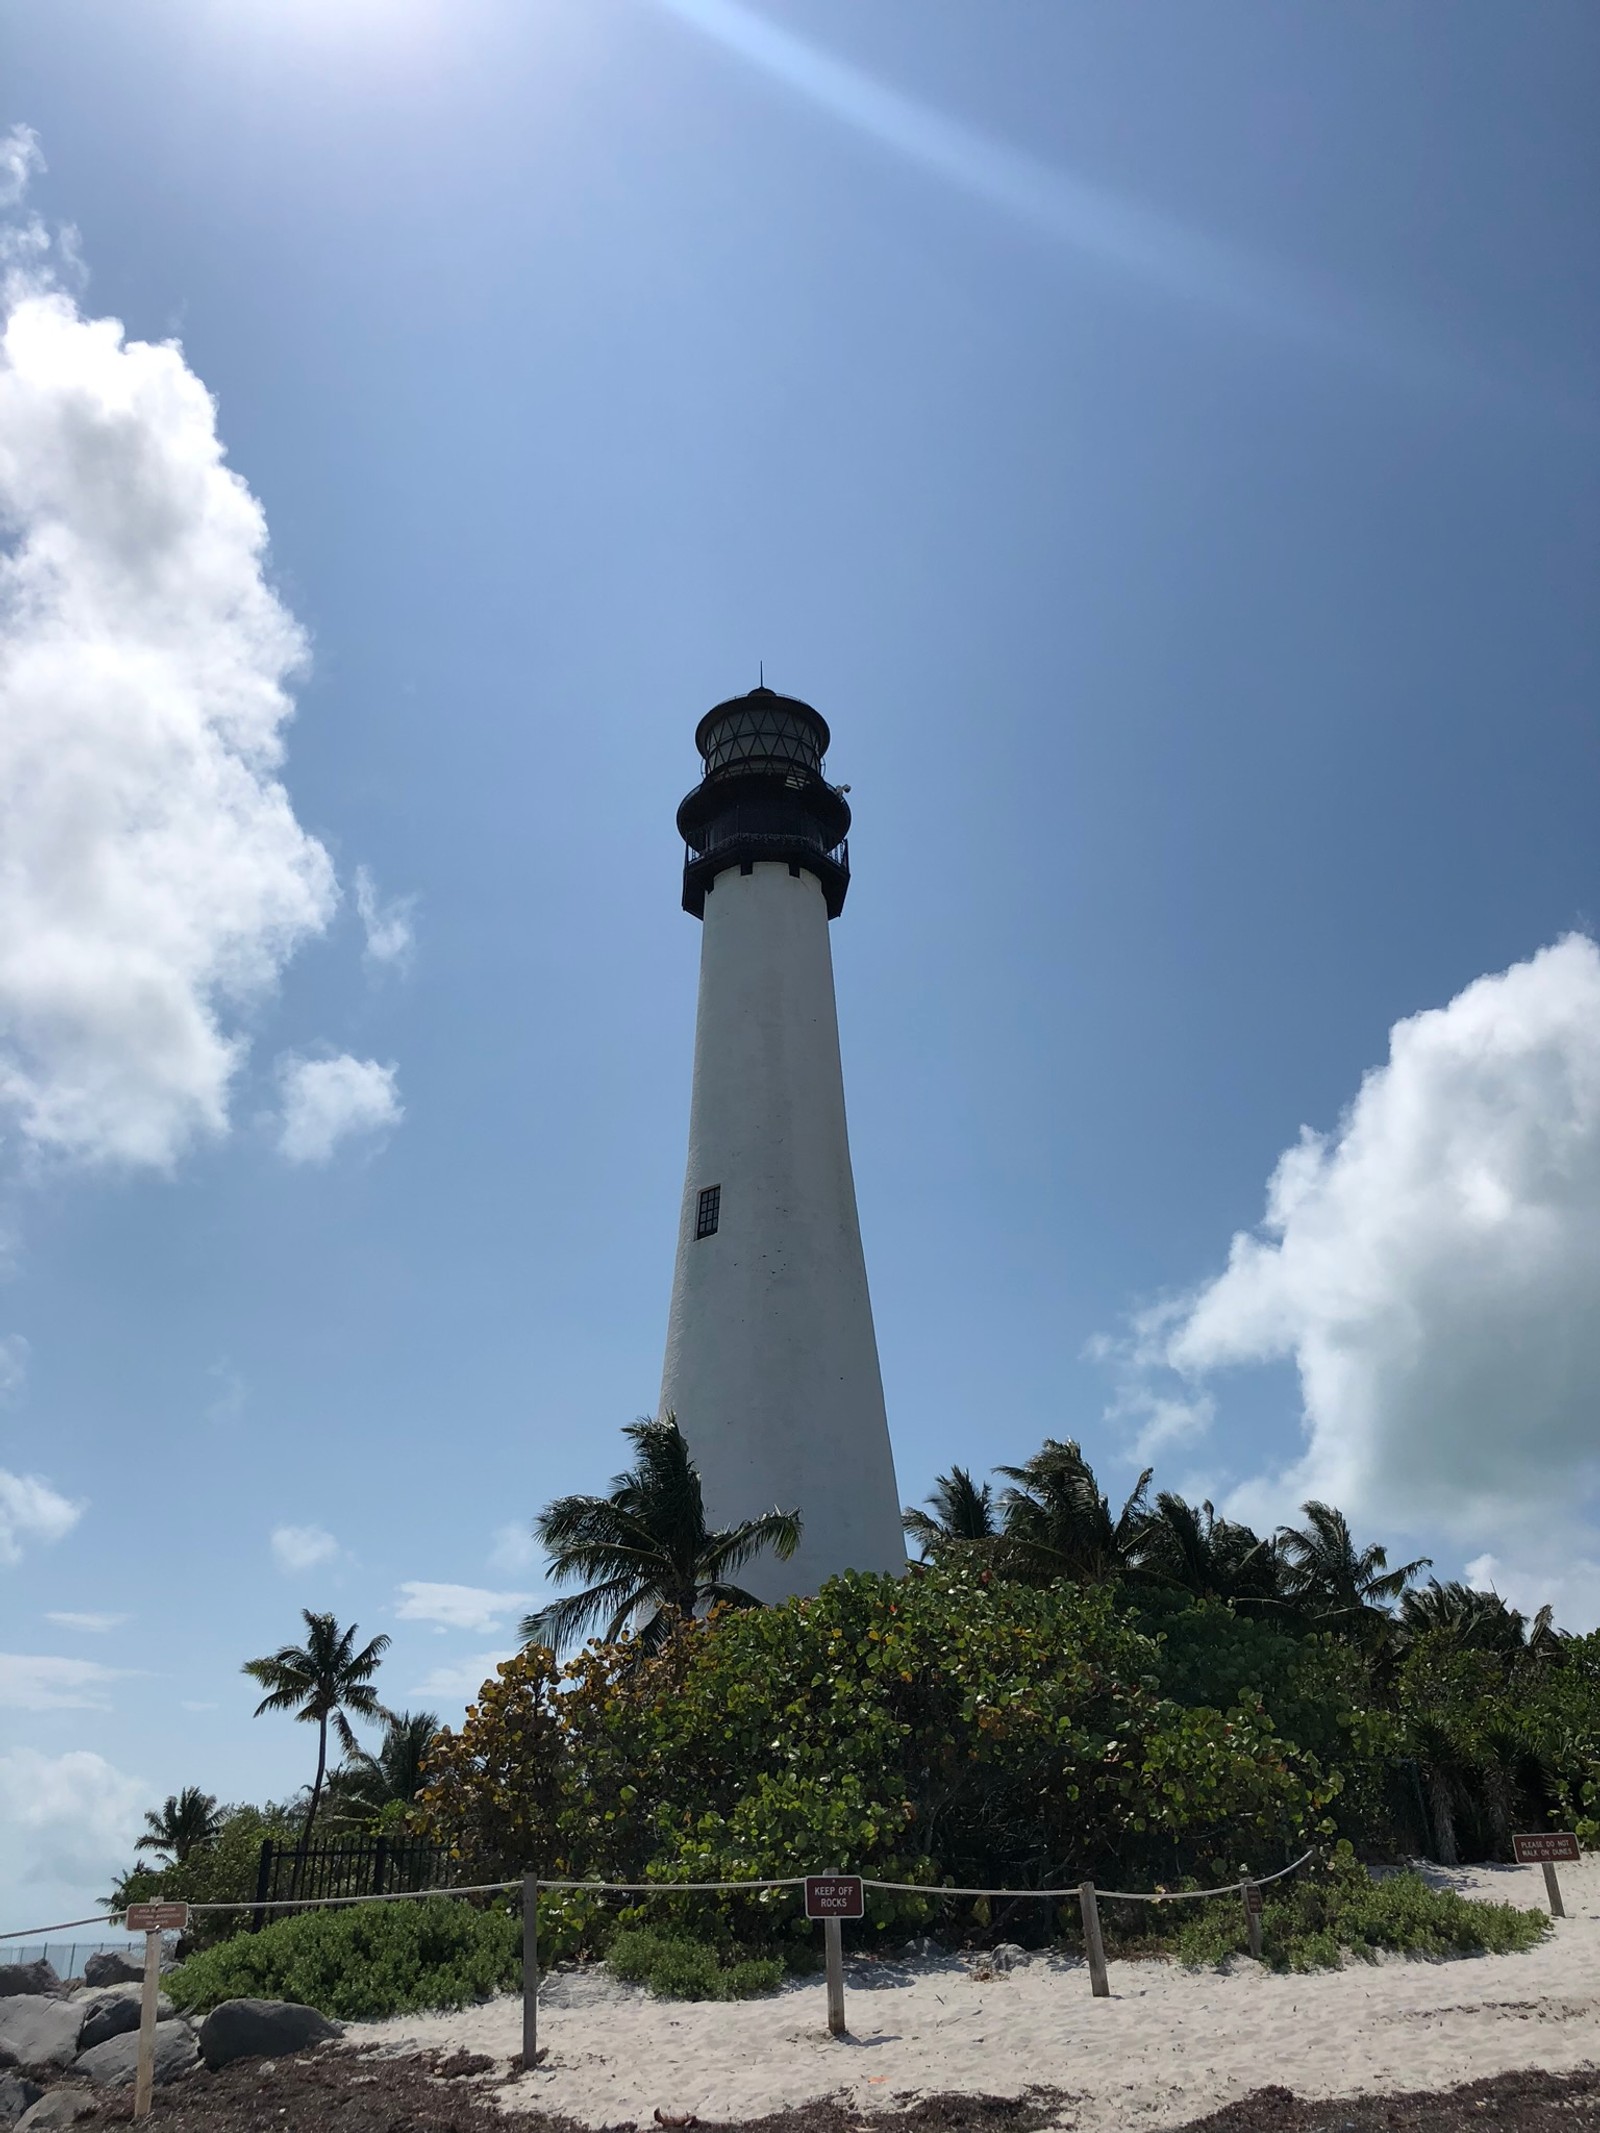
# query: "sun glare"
[376,34]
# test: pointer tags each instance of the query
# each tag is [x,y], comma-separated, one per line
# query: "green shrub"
[685,1970]
[754,1976]
[947,1727]
[1317,1920]
[958,1727]
[675,1967]
[364,1962]
[633,1954]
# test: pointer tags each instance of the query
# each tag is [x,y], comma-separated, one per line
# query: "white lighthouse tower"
[772,1363]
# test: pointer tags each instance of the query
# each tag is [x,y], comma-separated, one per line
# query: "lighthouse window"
[706,1214]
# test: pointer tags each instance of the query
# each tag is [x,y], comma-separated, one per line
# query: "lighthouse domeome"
[772,1363]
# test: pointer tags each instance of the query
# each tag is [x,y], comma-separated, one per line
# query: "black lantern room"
[764,797]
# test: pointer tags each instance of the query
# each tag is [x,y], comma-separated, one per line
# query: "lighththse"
[772,1362]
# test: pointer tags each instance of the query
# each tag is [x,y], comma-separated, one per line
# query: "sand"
[1167,2046]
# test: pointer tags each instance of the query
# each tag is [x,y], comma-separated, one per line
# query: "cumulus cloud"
[33,1682]
[325,1101]
[31,1510]
[71,1818]
[20,157]
[1432,1267]
[457,1606]
[388,926]
[154,880]
[298,1548]
[461,1681]
[1569,1585]
[1161,1419]
[13,1365]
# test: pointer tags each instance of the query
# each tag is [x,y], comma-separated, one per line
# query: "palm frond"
[722,1595]
[645,1545]
[726,1552]
[959,1510]
[572,1616]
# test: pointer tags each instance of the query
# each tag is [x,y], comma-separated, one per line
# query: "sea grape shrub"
[1210,1654]
[552,1764]
[493,1787]
[1318,1688]
[953,1727]
[948,1727]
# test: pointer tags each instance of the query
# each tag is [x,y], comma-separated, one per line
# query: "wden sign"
[1547,1847]
[831,1897]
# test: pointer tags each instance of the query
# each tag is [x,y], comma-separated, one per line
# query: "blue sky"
[1162,443]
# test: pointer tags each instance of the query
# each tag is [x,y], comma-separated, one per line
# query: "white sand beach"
[1168,2045]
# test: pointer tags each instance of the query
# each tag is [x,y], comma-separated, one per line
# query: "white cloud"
[1160,1417]
[388,926]
[1432,1268]
[30,1510]
[96,1625]
[20,157]
[514,1547]
[461,1681]
[458,1606]
[71,1818]
[31,255]
[326,1100]
[154,879]
[13,1365]
[298,1548]
[1569,1586]
[31,1682]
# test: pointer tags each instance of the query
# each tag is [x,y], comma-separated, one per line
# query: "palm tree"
[645,1549]
[1504,1754]
[185,1821]
[364,1785]
[1212,1557]
[135,1884]
[960,1510]
[1479,1621]
[1056,1523]
[1446,1770]
[322,1682]
[1334,1584]
[1543,1641]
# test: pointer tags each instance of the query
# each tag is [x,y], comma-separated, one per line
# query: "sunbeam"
[1182,263]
